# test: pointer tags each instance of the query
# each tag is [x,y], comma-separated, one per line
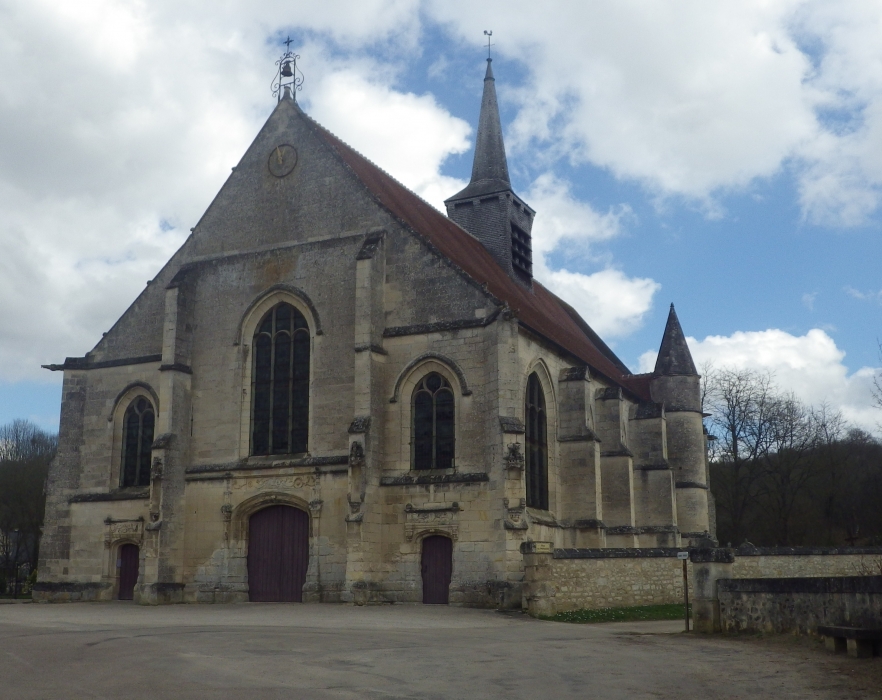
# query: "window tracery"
[537,444]
[433,423]
[138,426]
[280,383]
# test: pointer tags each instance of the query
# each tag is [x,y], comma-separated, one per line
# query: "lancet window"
[280,383]
[537,445]
[433,423]
[138,425]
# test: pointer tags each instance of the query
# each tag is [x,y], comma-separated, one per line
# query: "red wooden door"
[278,554]
[128,559]
[437,569]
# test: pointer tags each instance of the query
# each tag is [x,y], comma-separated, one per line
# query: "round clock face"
[282,160]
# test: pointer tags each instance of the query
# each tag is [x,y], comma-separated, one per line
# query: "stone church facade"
[333,392]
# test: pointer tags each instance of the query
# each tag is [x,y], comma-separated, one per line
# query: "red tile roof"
[539,310]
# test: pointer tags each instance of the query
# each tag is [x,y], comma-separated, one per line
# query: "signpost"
[684,557]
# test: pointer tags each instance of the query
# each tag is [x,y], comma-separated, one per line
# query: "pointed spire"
[674,357]
[490,162]
[490,168]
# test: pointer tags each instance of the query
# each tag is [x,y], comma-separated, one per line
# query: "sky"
[724,157]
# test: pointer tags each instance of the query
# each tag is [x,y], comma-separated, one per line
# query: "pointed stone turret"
[488,208]
[674,357]
[676,384]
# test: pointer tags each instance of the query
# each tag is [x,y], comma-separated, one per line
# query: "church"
[334,392]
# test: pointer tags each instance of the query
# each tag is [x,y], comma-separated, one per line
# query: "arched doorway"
[278,554]
[437,569]
[127,561]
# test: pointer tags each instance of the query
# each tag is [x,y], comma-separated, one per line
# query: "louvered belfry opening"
[433,423]
[278,554]
[537,445]
[138,427]
[437,569]
[521,253]
[280,383]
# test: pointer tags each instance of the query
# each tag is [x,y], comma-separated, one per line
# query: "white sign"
[682,555]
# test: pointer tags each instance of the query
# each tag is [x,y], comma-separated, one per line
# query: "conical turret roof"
[674,357]
[490,168]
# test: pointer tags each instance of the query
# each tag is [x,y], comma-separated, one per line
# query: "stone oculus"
[333,392]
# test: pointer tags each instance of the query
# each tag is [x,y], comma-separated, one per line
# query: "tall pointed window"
[138,425]
[280,383]
[537,445]
[433,425]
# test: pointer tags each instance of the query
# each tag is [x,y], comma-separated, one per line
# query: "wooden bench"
[860,642]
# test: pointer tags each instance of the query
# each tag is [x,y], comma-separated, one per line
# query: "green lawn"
[638,612]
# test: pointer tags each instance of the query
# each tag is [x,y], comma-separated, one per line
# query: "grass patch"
[673,611]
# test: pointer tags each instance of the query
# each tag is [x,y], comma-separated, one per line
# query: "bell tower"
[488,208]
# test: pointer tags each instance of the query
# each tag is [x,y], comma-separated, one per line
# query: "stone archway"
[278,554]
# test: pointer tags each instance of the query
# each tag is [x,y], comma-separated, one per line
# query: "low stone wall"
[559,580]
[573,579]
[799,605]
[792,562]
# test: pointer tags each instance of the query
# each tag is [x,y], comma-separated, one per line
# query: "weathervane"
[488,35]
[288,78]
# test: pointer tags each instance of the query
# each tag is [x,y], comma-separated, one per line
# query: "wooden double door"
[437,569]
[278,554]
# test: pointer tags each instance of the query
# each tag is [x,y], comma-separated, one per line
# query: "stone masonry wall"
[799,605]
[600,578]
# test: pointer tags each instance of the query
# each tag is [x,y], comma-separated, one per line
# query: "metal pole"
[686,595]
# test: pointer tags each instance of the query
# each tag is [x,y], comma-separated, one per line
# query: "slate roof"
[539,309]
[490,167]
[674,357]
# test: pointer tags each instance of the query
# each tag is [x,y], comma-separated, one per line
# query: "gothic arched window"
[138,425]
[537,445]
[433,426]
[280,383]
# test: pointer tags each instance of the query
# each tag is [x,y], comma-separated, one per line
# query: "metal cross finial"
[488,34]
[287,43]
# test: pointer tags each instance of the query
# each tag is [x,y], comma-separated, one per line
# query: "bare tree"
[789,467]
[25,453]
[742,405]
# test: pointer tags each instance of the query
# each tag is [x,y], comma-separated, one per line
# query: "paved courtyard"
[256,651]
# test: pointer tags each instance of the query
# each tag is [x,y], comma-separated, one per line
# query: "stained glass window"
[433,424]
[280,383]
[537,445]
[138,425]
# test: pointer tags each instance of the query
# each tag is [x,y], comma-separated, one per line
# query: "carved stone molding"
[431,517]
[129,529]
[356,454]
[514,518]
[514,457]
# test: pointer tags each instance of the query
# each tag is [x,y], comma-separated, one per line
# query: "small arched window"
[433,424]
[138,425]
[537,445]
[280,383]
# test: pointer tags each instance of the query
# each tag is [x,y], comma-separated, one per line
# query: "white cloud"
[611,302]
[808,300]
[408,135]
[113,146]
[864,296]
[696,98]
[810,365]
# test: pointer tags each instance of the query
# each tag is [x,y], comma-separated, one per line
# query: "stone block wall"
[574,579]
[791,562]
[799,605]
